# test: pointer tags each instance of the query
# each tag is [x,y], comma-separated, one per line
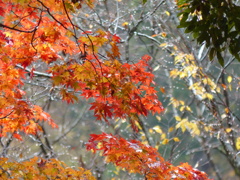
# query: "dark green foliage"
[144,1]
[215,22]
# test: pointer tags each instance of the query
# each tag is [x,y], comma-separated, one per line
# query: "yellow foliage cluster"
[191,126]
[200,84]
[238,143]
[37,168]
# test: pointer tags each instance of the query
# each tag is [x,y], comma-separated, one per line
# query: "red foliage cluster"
[139,158]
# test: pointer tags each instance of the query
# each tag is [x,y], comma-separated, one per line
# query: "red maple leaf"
[2,12]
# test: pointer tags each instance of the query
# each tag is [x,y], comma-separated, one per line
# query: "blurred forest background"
[201,121]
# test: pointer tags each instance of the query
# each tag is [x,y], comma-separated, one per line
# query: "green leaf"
[220,59]
[203,36]
[144,1]
[212,53]
[190,28]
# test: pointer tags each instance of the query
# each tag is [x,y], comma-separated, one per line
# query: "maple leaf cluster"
[139,158]
[119,90]
[34,37]
[38,168]
[16,113]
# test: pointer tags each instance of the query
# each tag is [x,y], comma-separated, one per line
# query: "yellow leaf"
[194,128]
[190,56]
[230,87]
[163,136]
[228,130]
[8,34]
[209,96]
[125,24]
[99,145]
[182,102]
[226,110]
[170,129]
[167,13]
[182,75]
[238,143]
[178,118]
[69,33]
[163,34]
[176,139]
[178,58]
[206,128]
[138,125]
[229,79]
[101,32]
[175,48]
[174,73]
[163,45]
[157,129]
[116,126]
[188,108]
[158,118]
[182,108]
[165,141]
[182,124]
[143,137]
[218,89]
[57,80]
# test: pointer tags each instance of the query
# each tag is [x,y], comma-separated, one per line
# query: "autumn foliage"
[44,31]
[116,87]
[139,158]
[37,168]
